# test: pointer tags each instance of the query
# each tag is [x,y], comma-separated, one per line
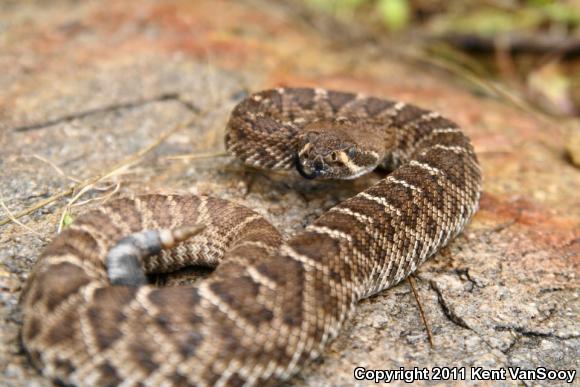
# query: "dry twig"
[199,156]
[411,280]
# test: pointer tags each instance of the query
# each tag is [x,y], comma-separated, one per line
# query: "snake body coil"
[269,306]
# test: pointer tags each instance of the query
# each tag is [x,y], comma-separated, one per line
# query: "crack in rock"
[105,109]
[447,310]
[531,333]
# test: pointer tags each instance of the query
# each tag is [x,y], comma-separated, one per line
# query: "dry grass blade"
[475,79]
[492,88]
[73,202]
[115,188]
[132,159]
[13,218]
[56,168]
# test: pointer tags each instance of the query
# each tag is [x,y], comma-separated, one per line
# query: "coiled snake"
[270,306]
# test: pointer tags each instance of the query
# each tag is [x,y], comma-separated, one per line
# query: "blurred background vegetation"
[528,50]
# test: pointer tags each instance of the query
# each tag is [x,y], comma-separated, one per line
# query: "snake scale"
[269,307]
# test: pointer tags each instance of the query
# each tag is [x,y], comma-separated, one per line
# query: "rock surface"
[85,84]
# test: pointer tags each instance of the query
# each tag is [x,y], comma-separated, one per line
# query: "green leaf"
[67,220]
[394,13]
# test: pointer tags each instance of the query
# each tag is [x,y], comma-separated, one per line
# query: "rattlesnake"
[271,306]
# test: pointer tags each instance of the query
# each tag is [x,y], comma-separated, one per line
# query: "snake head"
[332,154]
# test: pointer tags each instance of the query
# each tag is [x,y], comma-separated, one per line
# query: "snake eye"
[351,152]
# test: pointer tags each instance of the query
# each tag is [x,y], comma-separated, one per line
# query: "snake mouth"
[302,171]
